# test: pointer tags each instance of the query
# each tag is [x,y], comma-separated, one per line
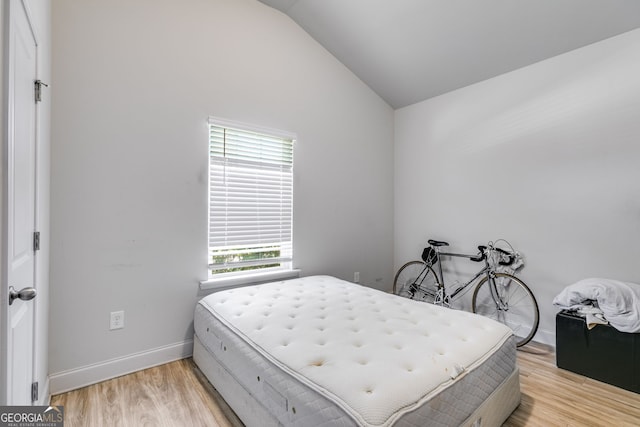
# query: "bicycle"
[498,294]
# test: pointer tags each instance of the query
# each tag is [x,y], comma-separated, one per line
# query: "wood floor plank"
[175,394]
[178,394]
[555,397]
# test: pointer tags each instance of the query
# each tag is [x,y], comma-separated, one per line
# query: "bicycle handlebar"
[511,259]
[429,254]
[481,256]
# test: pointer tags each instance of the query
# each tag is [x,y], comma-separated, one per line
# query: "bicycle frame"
[441,274]
[486,270]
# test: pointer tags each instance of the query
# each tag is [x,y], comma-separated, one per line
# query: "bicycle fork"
[501,304]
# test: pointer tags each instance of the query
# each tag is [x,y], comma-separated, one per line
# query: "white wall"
[546,157]
[134,85]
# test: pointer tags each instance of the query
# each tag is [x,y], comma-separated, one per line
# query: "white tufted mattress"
[320,351]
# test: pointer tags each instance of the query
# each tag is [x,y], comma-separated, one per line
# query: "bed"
[320,351]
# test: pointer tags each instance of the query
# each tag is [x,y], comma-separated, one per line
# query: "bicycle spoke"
[417,281]
[515,306]
[522,298]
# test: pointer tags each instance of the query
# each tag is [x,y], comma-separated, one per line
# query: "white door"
[20,208]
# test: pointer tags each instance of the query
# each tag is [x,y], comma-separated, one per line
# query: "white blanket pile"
[618,302]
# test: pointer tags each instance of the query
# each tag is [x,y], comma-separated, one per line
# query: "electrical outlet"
[356,277]
[117,320]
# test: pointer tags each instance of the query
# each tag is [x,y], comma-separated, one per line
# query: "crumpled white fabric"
[619,301]
[592,315]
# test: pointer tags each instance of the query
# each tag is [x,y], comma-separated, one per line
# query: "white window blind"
[250,198]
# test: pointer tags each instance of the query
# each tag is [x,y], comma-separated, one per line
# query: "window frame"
[256,275]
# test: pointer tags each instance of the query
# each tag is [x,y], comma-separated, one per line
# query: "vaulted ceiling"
[411,50]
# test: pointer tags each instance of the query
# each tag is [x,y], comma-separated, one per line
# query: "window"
[250,199]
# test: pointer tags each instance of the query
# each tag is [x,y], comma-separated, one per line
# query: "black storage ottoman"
[602,353]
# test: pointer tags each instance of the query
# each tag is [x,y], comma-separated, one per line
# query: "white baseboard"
[80,377]
[545,337]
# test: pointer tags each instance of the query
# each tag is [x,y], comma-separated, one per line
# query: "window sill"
[247,279]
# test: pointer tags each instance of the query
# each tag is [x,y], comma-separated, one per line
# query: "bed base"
[492,412]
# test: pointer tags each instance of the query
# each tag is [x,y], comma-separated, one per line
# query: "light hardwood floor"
[177,394]
[555,397]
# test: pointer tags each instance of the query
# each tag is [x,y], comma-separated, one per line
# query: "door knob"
[24,294]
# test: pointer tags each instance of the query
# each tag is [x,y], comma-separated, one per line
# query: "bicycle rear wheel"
[514,305]
[416,280]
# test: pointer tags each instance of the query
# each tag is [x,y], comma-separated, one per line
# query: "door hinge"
[34,392]
[38,86]
[36,241]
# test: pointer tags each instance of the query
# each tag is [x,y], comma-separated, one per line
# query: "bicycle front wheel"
[416,280]
[511,303]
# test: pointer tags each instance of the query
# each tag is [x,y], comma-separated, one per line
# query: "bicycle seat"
[437,243]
